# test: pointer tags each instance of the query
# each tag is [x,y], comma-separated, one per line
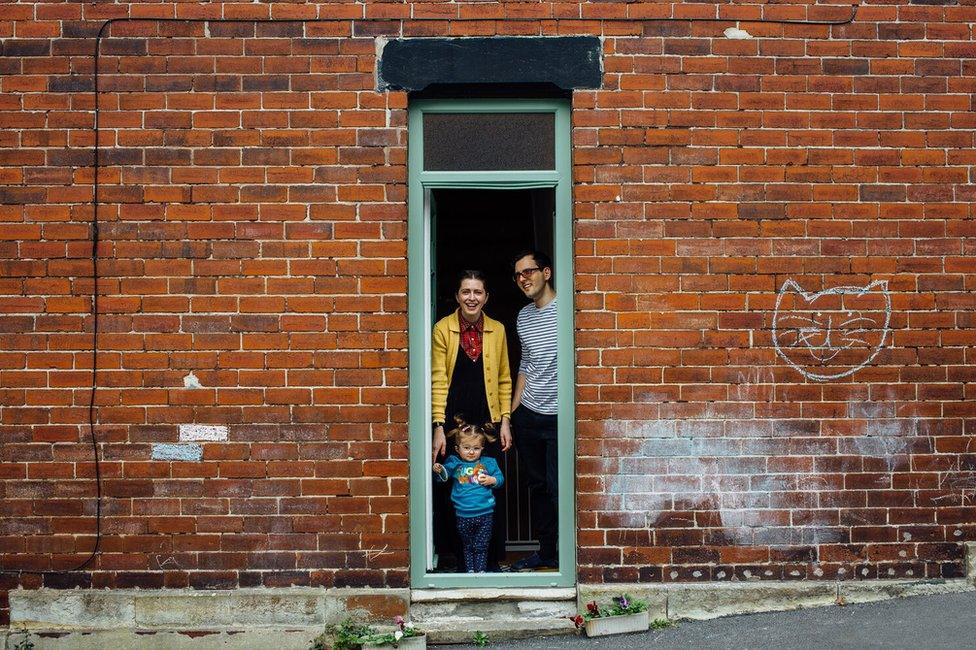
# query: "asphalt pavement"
[923,623]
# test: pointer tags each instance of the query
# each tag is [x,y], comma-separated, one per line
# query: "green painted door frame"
[419,255]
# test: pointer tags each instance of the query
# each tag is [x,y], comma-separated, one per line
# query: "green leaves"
[622,605]
[352,635]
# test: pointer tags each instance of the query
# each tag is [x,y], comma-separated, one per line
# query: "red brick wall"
[253,232]
[709,172]
[252,227]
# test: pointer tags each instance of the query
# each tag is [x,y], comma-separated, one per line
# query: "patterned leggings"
[475,534]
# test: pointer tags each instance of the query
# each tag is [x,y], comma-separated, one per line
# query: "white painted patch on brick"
[686,466]
[191,381]
[737,34]
[168,451]
[379,43]
[202,432]
[641,428]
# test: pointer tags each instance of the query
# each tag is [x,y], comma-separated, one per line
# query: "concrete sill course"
[677,601]
[187,609]
[80,618]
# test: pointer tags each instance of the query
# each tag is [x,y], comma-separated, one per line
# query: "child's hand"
[486,479]
[438,468]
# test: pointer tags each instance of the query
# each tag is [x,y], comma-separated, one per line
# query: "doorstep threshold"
[491,593]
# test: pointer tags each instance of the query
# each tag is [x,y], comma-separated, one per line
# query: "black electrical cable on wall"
[94,352]
[95,202]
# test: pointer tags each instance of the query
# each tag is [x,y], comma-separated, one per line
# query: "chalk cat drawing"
[832,333]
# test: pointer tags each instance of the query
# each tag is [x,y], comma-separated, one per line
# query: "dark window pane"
[489,141]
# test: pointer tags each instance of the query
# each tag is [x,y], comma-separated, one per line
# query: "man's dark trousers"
[534,435]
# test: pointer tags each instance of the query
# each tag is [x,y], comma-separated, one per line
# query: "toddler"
[471,491]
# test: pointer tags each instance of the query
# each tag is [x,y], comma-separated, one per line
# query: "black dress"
[466,394]
[466,398]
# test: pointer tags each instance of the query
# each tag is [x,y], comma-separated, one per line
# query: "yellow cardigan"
[498,377]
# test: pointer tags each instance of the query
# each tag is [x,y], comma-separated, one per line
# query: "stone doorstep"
[497,630]
[454,615]
[526,593]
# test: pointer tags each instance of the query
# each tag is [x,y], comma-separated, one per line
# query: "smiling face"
[530,278]
[469,447]
[471,298]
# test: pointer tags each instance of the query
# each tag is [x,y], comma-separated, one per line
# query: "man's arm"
[520,379]
[504,378]
[517,395]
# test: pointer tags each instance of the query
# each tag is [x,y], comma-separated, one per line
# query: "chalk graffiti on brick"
[832,333]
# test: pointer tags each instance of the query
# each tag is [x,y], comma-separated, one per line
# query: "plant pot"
[418,642]
[639,622]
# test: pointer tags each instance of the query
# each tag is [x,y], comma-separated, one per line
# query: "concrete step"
[454,615]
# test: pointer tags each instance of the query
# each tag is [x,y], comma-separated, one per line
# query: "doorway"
[483,229]
[472,209]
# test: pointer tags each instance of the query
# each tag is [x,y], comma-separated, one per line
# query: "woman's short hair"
[472,274]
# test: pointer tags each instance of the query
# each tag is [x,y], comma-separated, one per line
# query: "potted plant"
[624,615]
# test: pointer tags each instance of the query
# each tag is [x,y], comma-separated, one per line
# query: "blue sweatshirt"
[470,498]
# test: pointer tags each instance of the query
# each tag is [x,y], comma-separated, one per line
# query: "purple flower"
[622,602]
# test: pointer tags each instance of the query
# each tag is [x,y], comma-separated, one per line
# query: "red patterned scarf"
[471,336]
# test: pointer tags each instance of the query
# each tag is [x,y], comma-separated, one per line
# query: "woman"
[470,378]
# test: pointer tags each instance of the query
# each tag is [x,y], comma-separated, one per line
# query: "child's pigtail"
[459,425]
[488,428]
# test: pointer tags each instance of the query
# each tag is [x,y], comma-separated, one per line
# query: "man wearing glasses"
[534,405]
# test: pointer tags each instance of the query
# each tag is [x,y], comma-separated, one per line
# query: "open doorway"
[483,229]
[488,178]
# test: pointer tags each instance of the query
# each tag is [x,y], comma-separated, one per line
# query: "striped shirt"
[538,333]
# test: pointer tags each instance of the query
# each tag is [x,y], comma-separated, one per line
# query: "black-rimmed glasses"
[525,273]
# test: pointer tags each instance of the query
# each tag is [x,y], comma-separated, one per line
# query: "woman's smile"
[471,297]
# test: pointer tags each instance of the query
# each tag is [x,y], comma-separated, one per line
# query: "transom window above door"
[489,141]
